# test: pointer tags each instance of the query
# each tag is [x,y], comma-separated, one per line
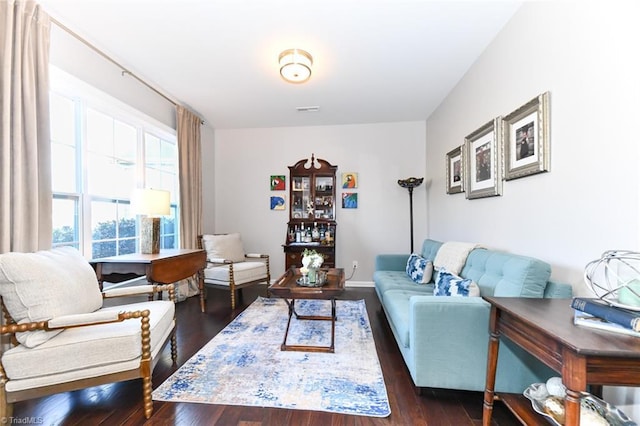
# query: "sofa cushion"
[506,275]
[46,284]
[92,346]
[224,246]
[419,269]
[397,280]
[396,306]
[448,284]
[242,272]
[430,249]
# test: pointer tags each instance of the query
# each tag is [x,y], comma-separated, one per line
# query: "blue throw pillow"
[448,284]
[419,269]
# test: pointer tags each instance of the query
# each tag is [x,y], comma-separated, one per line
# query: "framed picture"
[349,200]
[278,202]
[349,180]
[483,161]
[278,183]
[526,139]
[455,171]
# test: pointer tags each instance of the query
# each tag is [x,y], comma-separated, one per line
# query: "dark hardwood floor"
[121,403]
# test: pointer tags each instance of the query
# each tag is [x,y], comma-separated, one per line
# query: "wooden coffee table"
[287,288]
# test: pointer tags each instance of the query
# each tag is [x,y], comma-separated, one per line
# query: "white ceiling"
[374,61]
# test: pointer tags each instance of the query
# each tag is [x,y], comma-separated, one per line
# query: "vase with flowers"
[311,262]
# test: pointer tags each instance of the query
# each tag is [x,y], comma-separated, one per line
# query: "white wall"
[76,58]
[244,159]
[586,54]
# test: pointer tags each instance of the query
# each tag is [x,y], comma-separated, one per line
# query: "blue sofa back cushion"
[419,269]
[506,275]
[430,249]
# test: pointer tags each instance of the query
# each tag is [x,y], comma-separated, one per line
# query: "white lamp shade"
[295,65]
[151,202]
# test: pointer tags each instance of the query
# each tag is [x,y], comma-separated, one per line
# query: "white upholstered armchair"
[229,267]
[63,338]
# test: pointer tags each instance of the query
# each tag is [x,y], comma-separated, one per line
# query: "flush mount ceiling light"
[295,65]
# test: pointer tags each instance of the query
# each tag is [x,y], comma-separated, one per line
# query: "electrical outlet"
[355,264]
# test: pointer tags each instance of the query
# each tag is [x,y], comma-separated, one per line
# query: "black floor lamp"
[410,183]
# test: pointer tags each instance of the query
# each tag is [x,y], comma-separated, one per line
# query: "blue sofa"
[444,339]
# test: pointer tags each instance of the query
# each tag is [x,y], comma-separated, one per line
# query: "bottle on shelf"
[315,233]
[298,235]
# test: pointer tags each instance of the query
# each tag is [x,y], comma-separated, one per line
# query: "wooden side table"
[545,329]
[166,267]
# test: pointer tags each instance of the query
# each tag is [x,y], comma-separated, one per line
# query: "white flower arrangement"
[311,259]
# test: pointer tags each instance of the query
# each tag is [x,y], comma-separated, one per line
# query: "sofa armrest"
[449,338]
[74,320]
[558,290]
[219,260]
[77,320]
[443,316]
[256,256]
[149,289]
[391,262]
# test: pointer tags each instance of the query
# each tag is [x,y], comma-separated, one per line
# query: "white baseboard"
[359,284]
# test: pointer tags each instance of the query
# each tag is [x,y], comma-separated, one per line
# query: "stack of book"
[595,313]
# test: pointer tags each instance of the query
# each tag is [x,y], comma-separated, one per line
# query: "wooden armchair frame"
[233,286]
[144,371]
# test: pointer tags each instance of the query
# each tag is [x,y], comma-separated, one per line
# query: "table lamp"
[151,204]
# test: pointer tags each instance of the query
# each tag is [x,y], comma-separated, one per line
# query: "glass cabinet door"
[301,197]
[324,202]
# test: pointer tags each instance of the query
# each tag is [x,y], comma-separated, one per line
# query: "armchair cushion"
[242,272]
[47,284]
[82,352]
[224,246]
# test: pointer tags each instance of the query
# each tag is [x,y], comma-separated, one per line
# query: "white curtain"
[190,177]
[25,146]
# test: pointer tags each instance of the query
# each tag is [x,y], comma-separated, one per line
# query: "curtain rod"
[124,69]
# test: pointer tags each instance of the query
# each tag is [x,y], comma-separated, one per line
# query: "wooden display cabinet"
[312,211]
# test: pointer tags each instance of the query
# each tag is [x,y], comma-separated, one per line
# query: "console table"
[582,356]
[166,267]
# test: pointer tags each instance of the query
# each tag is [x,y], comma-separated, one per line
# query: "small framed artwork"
[483,161]
[455,171]
[278,202]
[349,200]
[278,183]
[349,180]
[526,139]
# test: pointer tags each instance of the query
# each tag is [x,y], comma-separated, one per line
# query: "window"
[102,150]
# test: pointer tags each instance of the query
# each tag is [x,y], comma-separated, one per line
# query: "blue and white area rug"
[243,364]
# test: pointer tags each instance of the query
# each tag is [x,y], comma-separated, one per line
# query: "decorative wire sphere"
[615,270]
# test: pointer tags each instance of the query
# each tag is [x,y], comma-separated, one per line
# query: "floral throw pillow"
[419,269]
[448,284]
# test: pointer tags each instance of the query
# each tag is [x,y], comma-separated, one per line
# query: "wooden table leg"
[492,364]
[574,369]
[201,290]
